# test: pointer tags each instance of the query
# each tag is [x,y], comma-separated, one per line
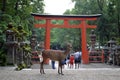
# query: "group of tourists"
[72,60]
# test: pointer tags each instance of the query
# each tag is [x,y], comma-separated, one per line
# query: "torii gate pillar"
[83,18]
[85,58]
[47,35]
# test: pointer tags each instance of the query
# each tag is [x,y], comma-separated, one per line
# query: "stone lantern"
[33,41]
[112,48]
[111,43]
[10,44]
[117,54]
[93,39]
[106,53]
[95,55]
[33,44]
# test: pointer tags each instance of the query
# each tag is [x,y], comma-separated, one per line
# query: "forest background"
[19,13]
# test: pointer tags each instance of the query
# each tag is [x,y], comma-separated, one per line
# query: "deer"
[55,55]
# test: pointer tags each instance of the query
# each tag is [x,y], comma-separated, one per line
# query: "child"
[72,61]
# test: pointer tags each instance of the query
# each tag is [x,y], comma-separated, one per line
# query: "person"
[71,61]
[52,61]
[68,60]
[53,64]
[77,56]
[63,63]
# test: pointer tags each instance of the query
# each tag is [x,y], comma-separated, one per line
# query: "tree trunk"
[3,6]
[118,24]
[16,7]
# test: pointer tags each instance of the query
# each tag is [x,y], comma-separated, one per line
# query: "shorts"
[77,61]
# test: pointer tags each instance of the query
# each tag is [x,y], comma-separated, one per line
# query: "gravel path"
[84,73]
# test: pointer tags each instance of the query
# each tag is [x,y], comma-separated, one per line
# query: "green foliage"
[21,66]
[27,48]
[19,13]
[40,34]
[62,36]
[118,41]
[2,54]
[2,58]
[108,25]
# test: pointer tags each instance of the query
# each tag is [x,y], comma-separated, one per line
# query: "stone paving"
[95,71]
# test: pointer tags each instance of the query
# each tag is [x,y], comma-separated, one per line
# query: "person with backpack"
[77,56]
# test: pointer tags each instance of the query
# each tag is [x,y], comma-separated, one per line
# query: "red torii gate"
[66,18]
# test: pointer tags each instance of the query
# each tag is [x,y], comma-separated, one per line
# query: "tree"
[19,13]
[108,25]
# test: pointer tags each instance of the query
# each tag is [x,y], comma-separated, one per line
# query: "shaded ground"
[91,65]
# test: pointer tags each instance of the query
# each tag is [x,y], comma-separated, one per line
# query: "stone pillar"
[33,41]
[93,40]
[10,43]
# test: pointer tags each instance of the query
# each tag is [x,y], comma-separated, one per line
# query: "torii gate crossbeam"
[66,18]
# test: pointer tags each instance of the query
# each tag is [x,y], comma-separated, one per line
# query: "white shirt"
[77,54]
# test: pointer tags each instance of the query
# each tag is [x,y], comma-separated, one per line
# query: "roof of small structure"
[112,42]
